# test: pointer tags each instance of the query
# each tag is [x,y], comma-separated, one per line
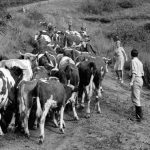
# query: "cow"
[27,95]
[9,79]
[48,61]
[49,99]
[46,99]
[91,76]
[68,68]
[25,65]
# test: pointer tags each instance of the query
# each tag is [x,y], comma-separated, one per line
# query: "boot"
[139,114]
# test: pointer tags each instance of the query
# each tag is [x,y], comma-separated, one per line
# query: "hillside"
[111,130]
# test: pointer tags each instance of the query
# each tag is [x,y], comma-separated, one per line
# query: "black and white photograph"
[74,74]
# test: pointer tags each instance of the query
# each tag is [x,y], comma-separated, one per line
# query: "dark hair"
[116,38]
[134,53]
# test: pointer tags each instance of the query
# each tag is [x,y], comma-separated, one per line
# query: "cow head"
[107,62]
[60,74]
[31,57]
[40,72]
[92,67]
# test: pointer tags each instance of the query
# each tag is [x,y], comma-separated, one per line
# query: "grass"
[9,3]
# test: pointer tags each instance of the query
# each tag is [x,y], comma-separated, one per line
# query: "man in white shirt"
[136,83]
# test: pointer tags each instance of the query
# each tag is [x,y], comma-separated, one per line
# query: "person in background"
[120,57]
[69,31]
[136,83]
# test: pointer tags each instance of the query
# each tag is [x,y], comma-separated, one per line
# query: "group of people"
[137,73]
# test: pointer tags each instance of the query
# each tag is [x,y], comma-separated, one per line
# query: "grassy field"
[104,19]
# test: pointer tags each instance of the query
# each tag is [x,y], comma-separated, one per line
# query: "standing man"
[136,83]
[121,57]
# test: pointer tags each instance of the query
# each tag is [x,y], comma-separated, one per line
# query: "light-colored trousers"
[136,91]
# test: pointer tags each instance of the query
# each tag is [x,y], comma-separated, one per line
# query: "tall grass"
[9,3]
[100,6]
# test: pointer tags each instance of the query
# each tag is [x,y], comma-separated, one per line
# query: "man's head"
[118,43]
[134,53]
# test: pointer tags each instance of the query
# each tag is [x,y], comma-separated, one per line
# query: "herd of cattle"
[65,69]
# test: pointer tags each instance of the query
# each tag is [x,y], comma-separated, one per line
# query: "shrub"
[35,15]
[98,6]
[128,31]
[126,4]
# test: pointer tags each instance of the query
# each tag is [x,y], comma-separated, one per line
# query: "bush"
[35,16]
[128,31]
[126,4]
[98,6]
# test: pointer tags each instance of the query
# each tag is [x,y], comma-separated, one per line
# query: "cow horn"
[21,53]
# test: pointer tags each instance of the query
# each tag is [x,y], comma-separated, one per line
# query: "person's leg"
[136,91]
[121,76]
[117,73]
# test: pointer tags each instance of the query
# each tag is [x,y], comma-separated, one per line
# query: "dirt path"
[111,130]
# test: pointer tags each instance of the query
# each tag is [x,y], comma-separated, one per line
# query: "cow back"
[48,88]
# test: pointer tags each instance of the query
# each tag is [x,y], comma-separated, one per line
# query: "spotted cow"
[9,79]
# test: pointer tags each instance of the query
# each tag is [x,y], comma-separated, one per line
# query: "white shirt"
[137,67]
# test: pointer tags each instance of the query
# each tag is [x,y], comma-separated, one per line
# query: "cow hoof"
[87,116]
[1,133]
[34,127]
[11,128]
[62,130]
[99,112]
[27,135]
[82,106]
[41,140]
[76,118]
[56,125]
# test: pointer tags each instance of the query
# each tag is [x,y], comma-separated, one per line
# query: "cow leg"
[38,113]
[89,90]
[82,101]
[98,96]
[11,126]
[26,128]
[54,120]
[1,132]
[47,106]
[88,103]
[61,119]
[74,95]
[73,99]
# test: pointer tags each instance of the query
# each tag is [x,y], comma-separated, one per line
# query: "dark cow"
[91,72]
[48,61]
[71,74]
[8,92]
